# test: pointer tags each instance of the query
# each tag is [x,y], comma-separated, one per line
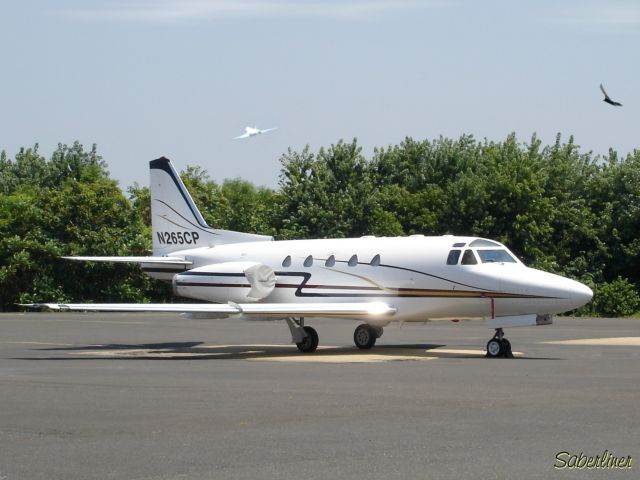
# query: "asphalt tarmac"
[100,396]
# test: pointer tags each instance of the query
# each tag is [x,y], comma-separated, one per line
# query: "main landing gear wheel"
[365,336]
[494,348]
[506,345]
[310,341]
[499,346]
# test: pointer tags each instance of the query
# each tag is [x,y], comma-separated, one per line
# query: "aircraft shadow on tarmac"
[289,353]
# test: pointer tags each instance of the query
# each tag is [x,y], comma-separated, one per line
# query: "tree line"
[556,207]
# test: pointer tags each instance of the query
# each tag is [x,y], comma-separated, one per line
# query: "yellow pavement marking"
[146,353]
[285,353]
[606,342]
[355,358]
[452,351]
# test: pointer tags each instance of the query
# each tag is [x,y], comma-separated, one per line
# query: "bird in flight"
[253,131]
[608,99]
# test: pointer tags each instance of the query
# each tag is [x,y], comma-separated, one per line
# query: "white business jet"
[373,280]
[253,131]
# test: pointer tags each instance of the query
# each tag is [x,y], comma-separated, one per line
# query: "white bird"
[252,131]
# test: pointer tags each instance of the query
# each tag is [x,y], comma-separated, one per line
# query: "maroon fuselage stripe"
[399,292]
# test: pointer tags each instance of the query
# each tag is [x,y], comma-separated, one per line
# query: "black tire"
[365,336]
[495,348]
[310,342]
[506,348]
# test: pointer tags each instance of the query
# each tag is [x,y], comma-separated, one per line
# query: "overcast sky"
[180,78]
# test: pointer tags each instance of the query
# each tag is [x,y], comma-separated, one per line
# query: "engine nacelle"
[239,282]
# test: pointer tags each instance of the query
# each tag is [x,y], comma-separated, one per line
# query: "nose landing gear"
[499,346]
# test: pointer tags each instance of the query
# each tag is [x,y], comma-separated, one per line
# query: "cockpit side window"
[454,256]
[469,258]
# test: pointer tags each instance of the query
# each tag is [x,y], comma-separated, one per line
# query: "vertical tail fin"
[176,222]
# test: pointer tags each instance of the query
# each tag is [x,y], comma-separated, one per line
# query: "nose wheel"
[498,346]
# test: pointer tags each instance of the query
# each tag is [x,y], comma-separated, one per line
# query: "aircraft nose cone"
[563,293]
[584,293]
[577,293]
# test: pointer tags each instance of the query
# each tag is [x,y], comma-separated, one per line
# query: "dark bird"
[608,99]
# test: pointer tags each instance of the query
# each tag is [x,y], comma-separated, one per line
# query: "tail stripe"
[176,222]
[165,218]
[208,229]
[163,164]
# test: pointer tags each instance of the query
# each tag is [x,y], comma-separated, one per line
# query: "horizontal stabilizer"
[157,260]
[277,310]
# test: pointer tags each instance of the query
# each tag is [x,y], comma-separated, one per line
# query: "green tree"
[617,298]
[558,208]
[329,194]
[251,209]
[50,213]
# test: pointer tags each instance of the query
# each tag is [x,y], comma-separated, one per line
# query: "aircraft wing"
[244,135]
[157,260]
[268,130]
[276,310]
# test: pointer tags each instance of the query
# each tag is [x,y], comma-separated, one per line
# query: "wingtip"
[41,306]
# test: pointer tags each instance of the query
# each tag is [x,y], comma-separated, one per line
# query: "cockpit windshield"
[481,251]
[495,256]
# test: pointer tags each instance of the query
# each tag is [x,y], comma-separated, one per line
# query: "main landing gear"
[365,336]
[310,342]
[499,346]
[305,338]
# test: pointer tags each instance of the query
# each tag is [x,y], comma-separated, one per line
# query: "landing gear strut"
[365,336]
[499,346]
[305,338]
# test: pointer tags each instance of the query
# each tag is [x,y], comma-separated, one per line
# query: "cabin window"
[469,258]
[287,261]
[454,256]
[308,261]
[375,261]
[353,261]
[481,242]
[331,261]
[458,245]
[495,256]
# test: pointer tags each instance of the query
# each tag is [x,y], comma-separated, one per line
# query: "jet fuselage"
[410,273]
